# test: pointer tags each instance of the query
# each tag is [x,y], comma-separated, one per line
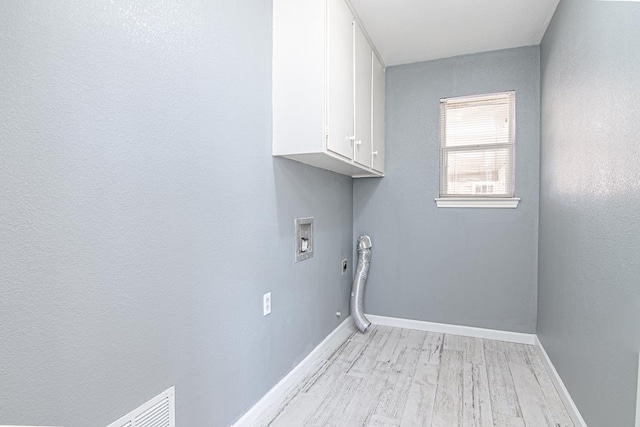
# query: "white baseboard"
[443,328]
[562,390]
[296,374]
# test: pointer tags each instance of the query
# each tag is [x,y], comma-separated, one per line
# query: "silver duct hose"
[357,291]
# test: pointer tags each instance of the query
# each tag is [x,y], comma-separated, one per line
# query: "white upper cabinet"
[377,114]
[326,98]
[362,82]
[340,93]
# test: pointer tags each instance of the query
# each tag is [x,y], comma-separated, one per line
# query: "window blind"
[477,145]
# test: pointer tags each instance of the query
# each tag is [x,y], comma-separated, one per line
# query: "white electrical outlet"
[266,304]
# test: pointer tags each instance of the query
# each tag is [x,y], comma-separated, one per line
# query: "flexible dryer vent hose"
[357,291]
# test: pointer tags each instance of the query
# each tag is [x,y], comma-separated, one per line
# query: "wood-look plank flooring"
[402,377]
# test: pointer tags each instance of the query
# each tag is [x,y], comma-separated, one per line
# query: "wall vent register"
[157,412]
[477,136]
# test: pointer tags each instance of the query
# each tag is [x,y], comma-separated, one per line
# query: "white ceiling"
[406,31]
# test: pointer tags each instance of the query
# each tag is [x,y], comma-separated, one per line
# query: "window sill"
[478,202]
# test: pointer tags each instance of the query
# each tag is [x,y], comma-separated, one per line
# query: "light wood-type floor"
[401,377]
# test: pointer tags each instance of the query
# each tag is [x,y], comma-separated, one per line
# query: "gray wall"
[142,216]
[589,304]
[475,267]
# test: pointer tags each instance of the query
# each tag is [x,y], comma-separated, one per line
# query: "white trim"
[562,390]
[295,375]
[638,395]
[444,328]
[478,202]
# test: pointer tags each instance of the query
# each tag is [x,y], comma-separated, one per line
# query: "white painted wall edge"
[296,374]
[638,395]
[562,390]
[468,331]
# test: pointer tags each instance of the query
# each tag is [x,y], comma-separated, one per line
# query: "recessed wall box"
[304,238]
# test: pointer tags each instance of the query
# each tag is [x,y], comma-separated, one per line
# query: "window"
[477,151]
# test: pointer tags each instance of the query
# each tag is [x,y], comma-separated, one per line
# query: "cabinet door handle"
[358,142]
[351,138]
[375,153]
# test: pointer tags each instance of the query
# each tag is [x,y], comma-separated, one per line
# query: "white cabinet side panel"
[363,75]
[298,76]
[378,115]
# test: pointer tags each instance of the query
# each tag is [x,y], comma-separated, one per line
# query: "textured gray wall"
[142,216]
[475,267]
[589,303]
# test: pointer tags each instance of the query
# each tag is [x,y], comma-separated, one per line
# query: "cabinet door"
[362,83]
[340,106]
[377,115]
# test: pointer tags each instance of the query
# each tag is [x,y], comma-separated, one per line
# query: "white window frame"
[476,201]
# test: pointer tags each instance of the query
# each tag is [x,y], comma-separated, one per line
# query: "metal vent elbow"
[359,281]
